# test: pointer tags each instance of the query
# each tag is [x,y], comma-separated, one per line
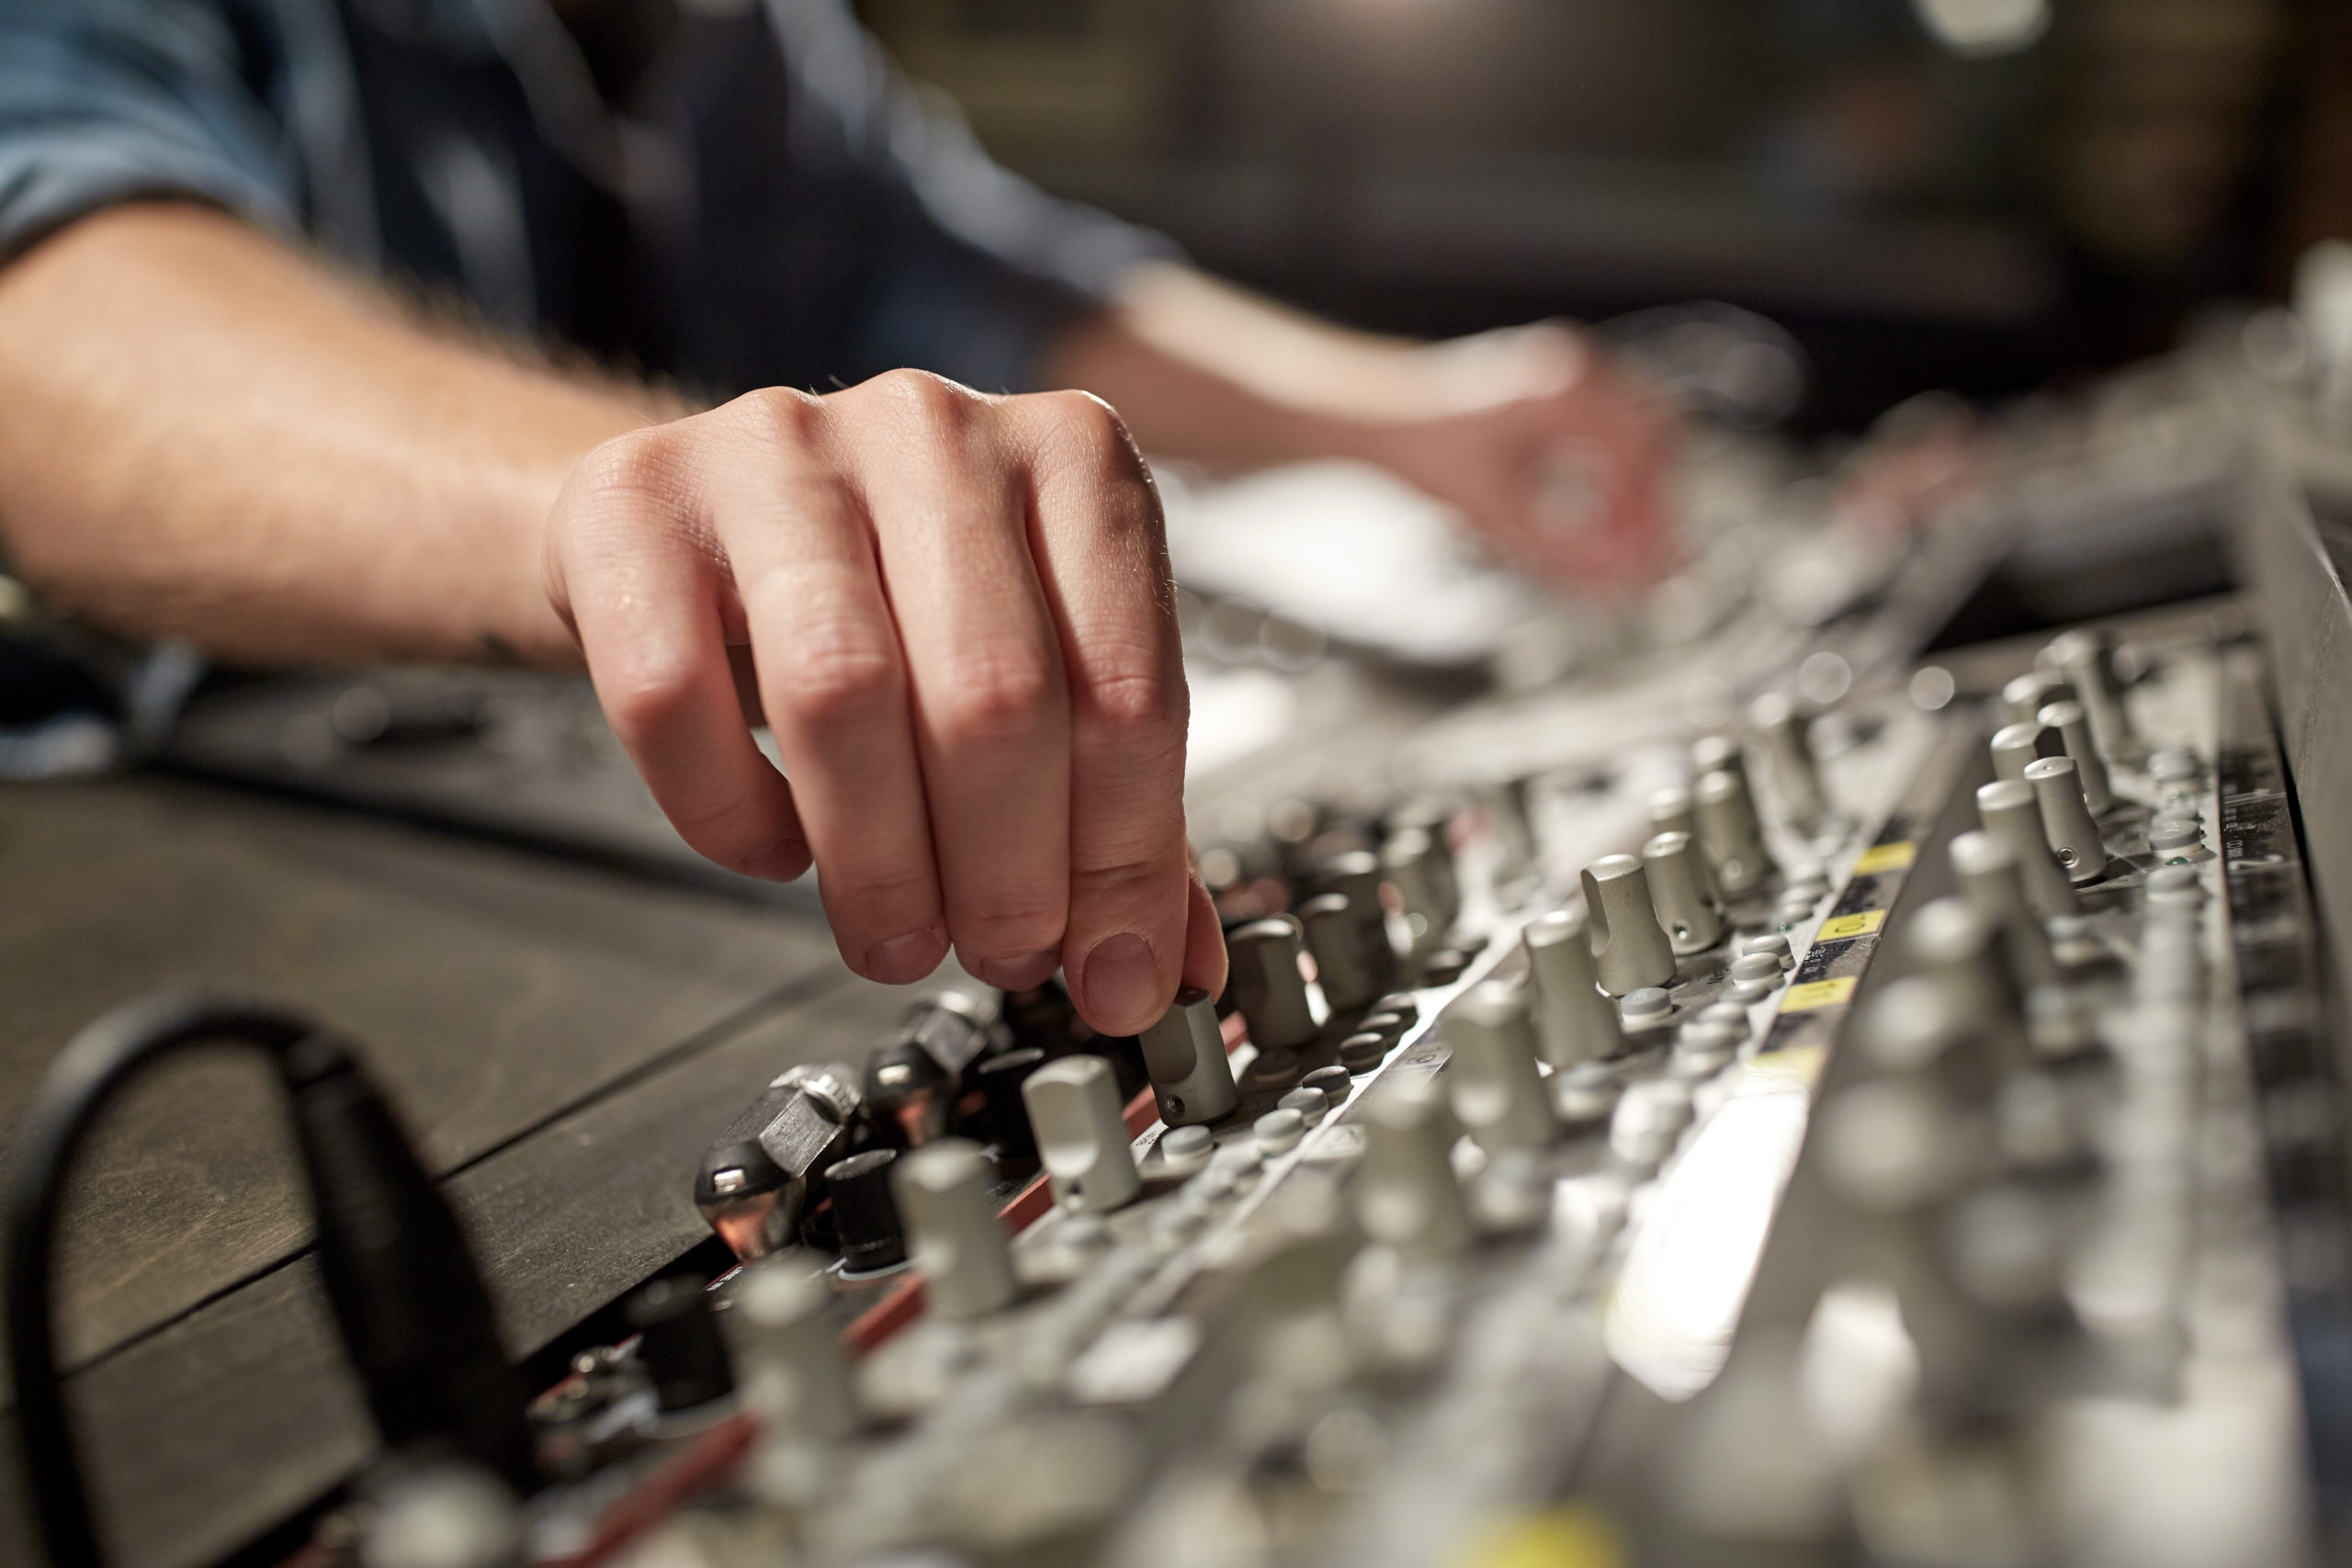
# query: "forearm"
[209,437]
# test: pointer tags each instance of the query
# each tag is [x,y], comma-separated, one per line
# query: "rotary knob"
[1574,1023]
[2066,819]
[1356,877]
[794,1374]
[1081,1136]
[1267,986]
[865,1217]
[960,1247]
[1953,944]
[2026,696]
[1630,950]
[2014,745]
[1989,879]
[1795,774]
[1496,1092]
[1184,1053]
[2087,658]
[1729,834]
[1406,1193]
[2012,813]
[1343,967]
[1417,864]
[2074,735]
[1686,905]
[1670,812]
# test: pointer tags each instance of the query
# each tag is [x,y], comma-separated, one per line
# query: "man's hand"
[954,612]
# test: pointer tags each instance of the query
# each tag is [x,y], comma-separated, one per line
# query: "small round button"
[1310,1103]
[1773,944]
[1731,1013]
[1648,1005]
[2169,833]
[1361,1053]
[1330,1082]
[1278,1132]
[1186,1143]
[1756,969]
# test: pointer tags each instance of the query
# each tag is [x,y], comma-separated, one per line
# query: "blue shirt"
[766,203]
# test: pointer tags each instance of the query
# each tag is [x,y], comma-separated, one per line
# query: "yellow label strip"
[1817,994]
[1886,857]
[1859,924]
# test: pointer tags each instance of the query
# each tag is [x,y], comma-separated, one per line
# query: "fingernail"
[907,957]
[1118,983]
[780,861]
[1015,974]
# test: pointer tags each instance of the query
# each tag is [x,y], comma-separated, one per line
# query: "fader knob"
[2014,745]
[1267,986]
[1497,1093]
[1574,1023]
[1630,950]
[2074,735]
[1406,1193]
[1795,775]
[2026,696]
[795,1377]
[1990,880]
[1081,1137]
[2085,659]
[2012,813]
[1686,905]
[1343,966]
[1184,1053]
[1417,864]
[866,1216]
[2073,836]
[1728,833]
[960,1247]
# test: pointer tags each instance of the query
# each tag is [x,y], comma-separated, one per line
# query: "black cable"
[413,1312]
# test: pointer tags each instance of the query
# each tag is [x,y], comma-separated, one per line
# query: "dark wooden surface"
[562,1040]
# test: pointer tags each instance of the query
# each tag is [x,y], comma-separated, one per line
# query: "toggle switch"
[960,1247]
[1686,905]
[1191,1077]
[1081,1136]
[1630,950]
[1574,1023]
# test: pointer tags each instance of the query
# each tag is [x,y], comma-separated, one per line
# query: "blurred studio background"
[1987,195]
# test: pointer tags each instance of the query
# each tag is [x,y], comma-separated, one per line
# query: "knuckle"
[637,464]
[997,694]
[923,398]
[1081,426]
[885,896]
[1011,926]
[1133,701]
[1117,881]
[780,412]
[650,693]
[833,683]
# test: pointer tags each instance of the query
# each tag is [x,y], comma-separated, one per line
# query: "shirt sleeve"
[105,101]
[979,270]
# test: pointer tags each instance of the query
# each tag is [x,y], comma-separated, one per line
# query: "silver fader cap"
[2074,733]
[1630,950]
[960,1247]
[1406,1193]
[1343,967]
[1796,777]
[2026,696]
[789,1350]
[2066,819]
[1497,1093]
[1729,833]
[1988,872]
[2014,745]
[1267,986]
[1081,1136]
[1184,1053]
[2012,813]
[1574,1023]
[1686,905]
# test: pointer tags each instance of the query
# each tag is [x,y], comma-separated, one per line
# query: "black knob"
[681,1349]
[1000,1079]
[864,1215]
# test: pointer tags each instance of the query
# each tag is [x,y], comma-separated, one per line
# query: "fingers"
[984,660]
[1102,564]
[642,593]
[832,681]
